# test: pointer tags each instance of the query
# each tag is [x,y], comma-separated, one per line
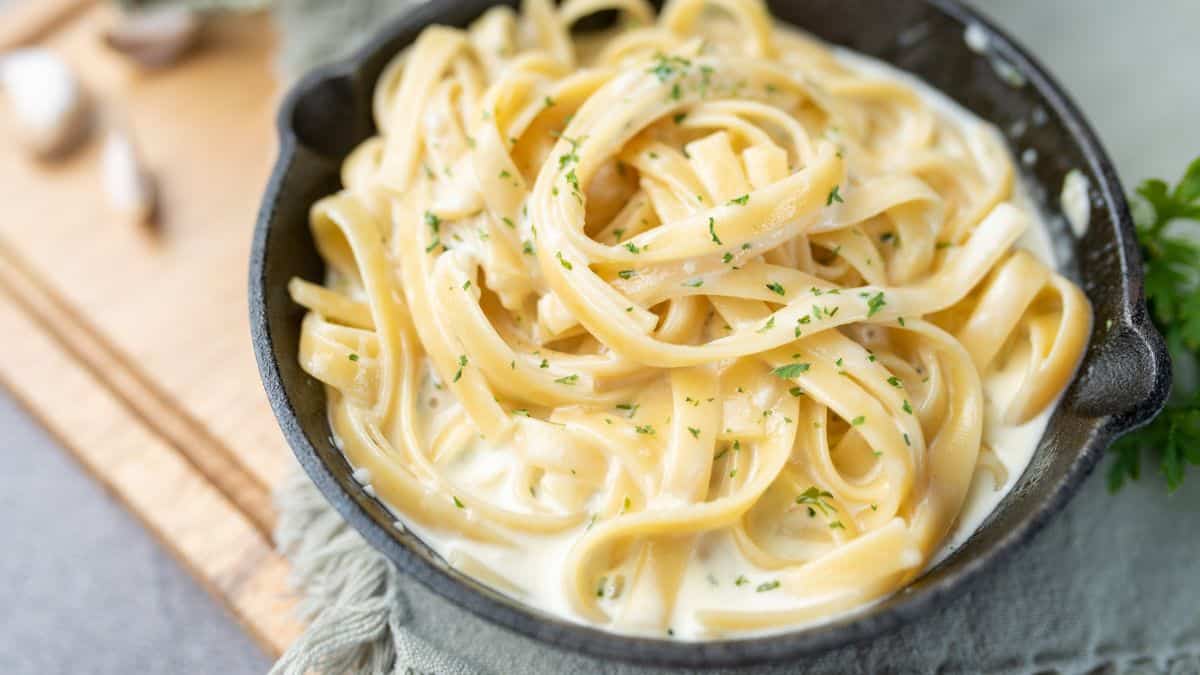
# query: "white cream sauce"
[1075,202]
[531,571]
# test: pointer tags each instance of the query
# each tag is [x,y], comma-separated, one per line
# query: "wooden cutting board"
[132,346]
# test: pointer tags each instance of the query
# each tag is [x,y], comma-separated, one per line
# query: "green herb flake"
[776,288]
[791,370]
[712,232]
[875,303]
[694,432]
[767,586]
[835,195]
[740,201]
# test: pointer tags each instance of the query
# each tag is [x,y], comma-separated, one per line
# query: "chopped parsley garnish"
[644,429]
[767,586]
[458,502]
[776,288]
[858,421]
[626,274]
[694,432]
[895,381]
[466,284]
[740,201]
[712,232]
[907,407]
[791,370]
[631,408]
[548,102]
[563,261]
[632,247]
[741,580]
[462,363]
[796,391]
[814,498]
[835,195]
[694,283]
[567,380]
[837,525]
[768,325]
[432,220]
[436,243]
[678,118]
[353,357]
[727,258]
[666,66]
[508,221]
[875,303]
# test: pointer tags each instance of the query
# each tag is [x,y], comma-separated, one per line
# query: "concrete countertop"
[75,564]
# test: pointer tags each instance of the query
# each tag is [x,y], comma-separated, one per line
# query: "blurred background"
[96,575]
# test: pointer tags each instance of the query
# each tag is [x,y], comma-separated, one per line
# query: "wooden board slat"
[132,345]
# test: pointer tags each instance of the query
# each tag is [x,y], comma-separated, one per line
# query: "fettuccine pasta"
[689,327]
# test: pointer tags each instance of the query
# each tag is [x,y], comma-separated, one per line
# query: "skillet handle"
[1128,378]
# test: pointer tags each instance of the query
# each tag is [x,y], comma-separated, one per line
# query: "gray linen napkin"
[1111,586]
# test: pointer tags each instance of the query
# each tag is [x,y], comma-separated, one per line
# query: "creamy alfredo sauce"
[718,575]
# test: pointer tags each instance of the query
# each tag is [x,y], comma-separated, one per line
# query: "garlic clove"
[155,37]
[49,106]
[130,187]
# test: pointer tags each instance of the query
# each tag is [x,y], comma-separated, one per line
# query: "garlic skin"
[47,102]
[130,188]
[156,37]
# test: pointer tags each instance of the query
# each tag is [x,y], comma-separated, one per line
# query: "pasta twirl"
[695,326]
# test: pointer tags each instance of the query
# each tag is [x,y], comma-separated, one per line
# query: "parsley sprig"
[1172,264]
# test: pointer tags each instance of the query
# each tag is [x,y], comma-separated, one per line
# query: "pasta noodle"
[694,326]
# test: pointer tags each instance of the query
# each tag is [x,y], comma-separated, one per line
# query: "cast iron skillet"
[1121,383]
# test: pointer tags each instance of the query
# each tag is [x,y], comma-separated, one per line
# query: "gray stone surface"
[83,588]
[86,590]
